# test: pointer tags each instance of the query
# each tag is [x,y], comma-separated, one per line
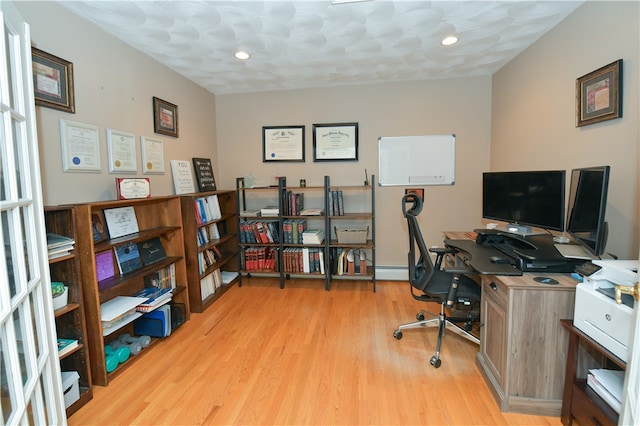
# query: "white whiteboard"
[417,160]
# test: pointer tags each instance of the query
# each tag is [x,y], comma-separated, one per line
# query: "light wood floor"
[302,356]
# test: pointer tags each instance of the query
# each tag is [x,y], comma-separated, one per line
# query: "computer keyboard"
[574,251]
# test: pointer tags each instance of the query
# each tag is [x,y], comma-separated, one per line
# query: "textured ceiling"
[299,44]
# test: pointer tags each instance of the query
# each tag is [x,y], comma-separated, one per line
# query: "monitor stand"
[521,230]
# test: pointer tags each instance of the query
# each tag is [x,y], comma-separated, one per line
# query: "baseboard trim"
[392,273]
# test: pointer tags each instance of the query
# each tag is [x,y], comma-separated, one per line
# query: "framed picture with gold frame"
[52,81]
[165,117]
[599,95]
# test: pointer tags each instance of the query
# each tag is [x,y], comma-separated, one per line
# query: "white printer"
[596,312]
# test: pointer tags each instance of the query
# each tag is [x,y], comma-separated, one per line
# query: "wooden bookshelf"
[200,239]
[70,319]
[157,217]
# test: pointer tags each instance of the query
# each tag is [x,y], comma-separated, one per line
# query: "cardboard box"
[352,236]
[70,387]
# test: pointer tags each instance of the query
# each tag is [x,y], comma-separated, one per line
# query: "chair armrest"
[440,251]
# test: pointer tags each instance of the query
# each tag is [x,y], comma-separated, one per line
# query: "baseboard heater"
[392,273]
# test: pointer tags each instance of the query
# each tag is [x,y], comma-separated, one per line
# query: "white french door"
[30,386]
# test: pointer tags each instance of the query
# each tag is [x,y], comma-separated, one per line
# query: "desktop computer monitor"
[529,198]
[587,206]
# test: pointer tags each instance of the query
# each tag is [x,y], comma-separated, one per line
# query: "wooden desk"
[523,348]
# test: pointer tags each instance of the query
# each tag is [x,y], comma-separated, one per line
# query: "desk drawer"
[496,289]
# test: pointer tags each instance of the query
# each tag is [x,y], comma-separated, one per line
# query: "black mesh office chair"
[455,292]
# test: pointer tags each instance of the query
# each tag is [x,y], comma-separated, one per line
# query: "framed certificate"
[121,147]
[152,155]
[283,143]
[80,147]
[334,142]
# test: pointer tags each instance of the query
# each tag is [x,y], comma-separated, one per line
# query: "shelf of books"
[351,231]
[134,276]
[68,301]
[285,232]
[211,245]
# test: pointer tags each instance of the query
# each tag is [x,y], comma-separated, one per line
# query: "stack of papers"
[607,384]
[313,236]
[270,211]
[59,245]
[119,311]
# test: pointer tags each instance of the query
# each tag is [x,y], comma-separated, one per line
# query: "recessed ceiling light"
[449,40]
[241,54]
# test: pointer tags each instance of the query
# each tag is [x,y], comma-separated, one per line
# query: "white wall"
[533,116]
[461,107]
[523,118]
[114,87]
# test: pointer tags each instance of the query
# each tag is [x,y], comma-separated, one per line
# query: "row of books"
[162,278]
[59,245]
[210,284]
[260,259]
[303,260]
[208,233]
[207,209]
[346,261]
[256,231]
[129,257]
[336,203]
[292,230]
[293,203]
[208,258]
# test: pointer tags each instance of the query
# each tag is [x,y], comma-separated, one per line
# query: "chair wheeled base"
[443,322]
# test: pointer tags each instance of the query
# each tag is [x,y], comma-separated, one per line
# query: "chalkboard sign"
[417,160]
[204,174]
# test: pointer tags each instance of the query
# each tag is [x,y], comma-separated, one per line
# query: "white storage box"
[61,301]
[70,387]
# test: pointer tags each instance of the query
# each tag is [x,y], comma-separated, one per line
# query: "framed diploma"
[121,149]
[131,188]
[335,142]
[80,147]
[283,143]
[152,155]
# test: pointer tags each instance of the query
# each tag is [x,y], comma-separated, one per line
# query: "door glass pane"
[21,339]
[7,390]
[12,267]
[30,244]
[17,142]
[38,340]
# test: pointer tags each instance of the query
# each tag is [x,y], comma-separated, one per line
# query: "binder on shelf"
[151,251]
[104,265]
[155,323]
[128,257]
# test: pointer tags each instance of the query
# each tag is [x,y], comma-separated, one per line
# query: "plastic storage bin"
[70,387]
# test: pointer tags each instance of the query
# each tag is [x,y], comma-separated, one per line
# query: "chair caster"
[435,361]
[397,334]
[420,316]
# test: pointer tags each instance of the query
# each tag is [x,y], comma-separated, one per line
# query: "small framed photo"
[165,117]
[283,143]
[121,149]
[418,191]
[599,95]
[52,81]
[335,142]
